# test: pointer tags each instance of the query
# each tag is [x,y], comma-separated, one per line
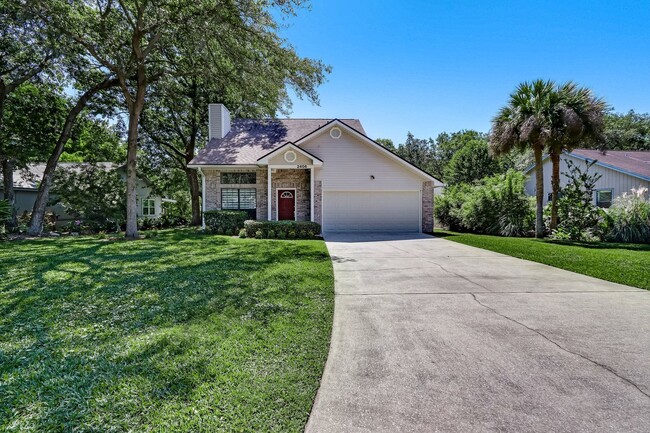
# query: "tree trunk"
[195,193]
[135,111]
[38,212]
[8,189]
[555,186]
[131,176]
[539,195]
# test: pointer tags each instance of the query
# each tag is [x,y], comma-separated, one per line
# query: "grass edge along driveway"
[619,263]
[182,332]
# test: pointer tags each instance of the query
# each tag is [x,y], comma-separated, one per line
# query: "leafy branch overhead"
[230,45]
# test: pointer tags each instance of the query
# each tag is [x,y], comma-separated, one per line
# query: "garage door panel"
[395,211]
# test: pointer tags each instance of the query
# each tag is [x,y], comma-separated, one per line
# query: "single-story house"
[26,189]
[322,170]
[620,170]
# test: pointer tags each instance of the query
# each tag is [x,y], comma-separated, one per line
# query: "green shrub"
[5,214]
[447,206]
[242,233]
[282,229]
[628,220]
[219,221]
[496,205]
[259,234]
[578,217]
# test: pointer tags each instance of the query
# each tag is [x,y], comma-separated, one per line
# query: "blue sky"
[433,66]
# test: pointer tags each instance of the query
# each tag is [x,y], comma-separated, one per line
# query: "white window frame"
[144,206]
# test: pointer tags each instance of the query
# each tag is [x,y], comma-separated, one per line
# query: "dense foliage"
[496,205]
[227,222]
[280,229]
[93,193]
[578,216]
[5,214]
[629,131]
[471,162]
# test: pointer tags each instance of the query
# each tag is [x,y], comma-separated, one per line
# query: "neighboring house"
[321,170]
[26,188]
[620,171]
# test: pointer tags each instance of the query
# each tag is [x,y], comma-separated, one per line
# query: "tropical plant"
[525,123]
[544,115]
[577,119]
[628,219]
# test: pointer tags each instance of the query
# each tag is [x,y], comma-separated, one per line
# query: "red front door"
[286,204]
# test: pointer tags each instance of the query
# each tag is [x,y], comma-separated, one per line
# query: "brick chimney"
[218,121]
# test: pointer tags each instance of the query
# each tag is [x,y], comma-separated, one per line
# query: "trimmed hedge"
[227,222]
[281,229]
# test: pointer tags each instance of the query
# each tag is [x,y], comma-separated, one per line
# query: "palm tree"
[524,123]
[578,121]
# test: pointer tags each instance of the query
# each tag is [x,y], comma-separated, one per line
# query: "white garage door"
[371,211]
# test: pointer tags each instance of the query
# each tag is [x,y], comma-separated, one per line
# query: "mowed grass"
[620,263]
[179,333]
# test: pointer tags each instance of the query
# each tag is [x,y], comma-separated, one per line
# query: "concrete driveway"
[434,336]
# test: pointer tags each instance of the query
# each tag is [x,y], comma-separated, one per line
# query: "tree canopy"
[132,45]
[628,131]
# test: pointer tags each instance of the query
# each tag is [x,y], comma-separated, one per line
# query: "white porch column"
[311,191]
[269,198]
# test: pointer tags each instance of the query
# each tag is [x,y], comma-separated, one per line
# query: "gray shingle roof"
[632,162]
[30,177]
[250,139]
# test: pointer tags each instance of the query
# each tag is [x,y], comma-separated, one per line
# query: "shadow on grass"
[583,244]
[602,245]
[96,334]
[441,234]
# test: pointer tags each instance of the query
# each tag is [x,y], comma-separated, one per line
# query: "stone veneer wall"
[318,202]
[427,207]
[292,178]
[213,189]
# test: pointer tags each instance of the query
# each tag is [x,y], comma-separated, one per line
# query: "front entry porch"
[291,194]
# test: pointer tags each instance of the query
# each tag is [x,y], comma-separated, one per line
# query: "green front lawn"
[621,263]
[181,333]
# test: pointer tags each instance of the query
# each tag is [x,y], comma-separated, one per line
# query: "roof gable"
[372,143]
[289,146]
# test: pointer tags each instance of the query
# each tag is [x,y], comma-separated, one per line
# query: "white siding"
[611,179]
[349,163]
